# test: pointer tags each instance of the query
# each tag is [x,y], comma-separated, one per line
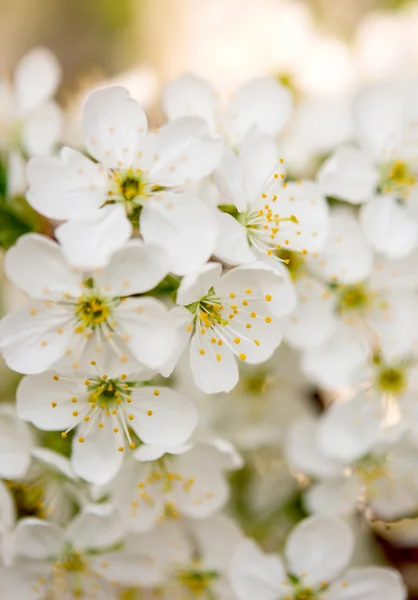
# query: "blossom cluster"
[158,427]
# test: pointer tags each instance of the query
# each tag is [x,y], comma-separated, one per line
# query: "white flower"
[353,469]
[316,555]
[272,215]
[103,410]
[381,174]
[83,559]
[16,444]
[77,316]
[137,176]
[188,480]
[229,316]
[261,105]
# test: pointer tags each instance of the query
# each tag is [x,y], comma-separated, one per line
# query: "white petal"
[209,491]
[346,257]
[42,130]
[59,463]
[172,420]
[314,319]
[126,568]
[213,370]
[92,530]
[190,96]
[379,113]
[350,429]
[262,105]
[36,264]
[304,454]
[305,202]
[368,583]
[259,157]
[253,574]
[334,498]
[232,246]
[114,126]
[336,363]
[134,269]
[68,187]
[183,152]
[348,174]
[196,285]
[7,508]
[149,332]
[97,459]
[89,244]
[16,175]
[388,227]
[35,396]
[34,338]
[318,549]
[183,227]
[38,539]
[230,179]
[15,446]
[37,77]
[218,538]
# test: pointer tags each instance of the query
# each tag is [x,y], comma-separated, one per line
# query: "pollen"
[156,393]
[237,340]
[131,417]
[75,413]
[201,351]
[248,325]
[55,378]
[74,400]
[63,435]
[248,291]
[268,319]
[81,440]
[218,357]
[116,430]
[268,298]
[256,342]
[149,413]
[53,404]
[242,356]
[121,448]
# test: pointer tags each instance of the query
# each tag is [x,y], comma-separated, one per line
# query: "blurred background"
[322,46]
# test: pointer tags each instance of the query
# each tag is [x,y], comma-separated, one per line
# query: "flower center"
[398,178]
[353,298]
[28,497]
[197,582]
[92,311]
[263,227]
[370,468]
[391,380]
[305,594]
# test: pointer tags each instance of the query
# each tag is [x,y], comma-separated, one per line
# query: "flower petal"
[134,269]
[253,574]
[162,416]
[37,265]
[190,96]
[213,370]
[15,446]
[318,549]
[38,539]
[36,79]
[42,130]
[89,244]
[333,498]
[183,227]
[368,583]
[92,529]
[114,126]
[68,187]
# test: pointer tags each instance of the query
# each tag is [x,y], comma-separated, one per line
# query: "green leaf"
[16,219]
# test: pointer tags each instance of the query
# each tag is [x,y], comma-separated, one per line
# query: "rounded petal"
[162,416]
[346,257]
[262,105]
[97,459]
[349,430]
[304,202]
[37,265]
[41,131]
[34,338]
[388,227]
[183,227]
[253,574]
[38,539]
[318,549]
[196,285]
[89,244]
[190,96]
[144,324]
[114,126]
[213,371]
[348,174]
[183,152]
[368,583]
[232,246]
[69,187]
[314,319]
[134,269]
[36,79]
[46,402]
[334,498]
[304,454]
[93,529]
[15,446]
